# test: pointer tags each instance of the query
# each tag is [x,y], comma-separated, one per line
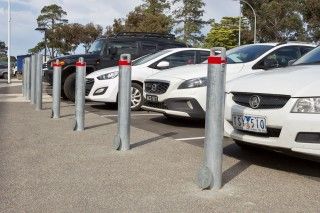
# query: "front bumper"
[109,95]
[283,127]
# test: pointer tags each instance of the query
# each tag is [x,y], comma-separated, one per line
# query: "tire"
[137,98]
[69,87]
[5,75]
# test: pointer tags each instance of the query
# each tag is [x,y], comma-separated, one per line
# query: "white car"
[279,109]
[182,91]
[102,85]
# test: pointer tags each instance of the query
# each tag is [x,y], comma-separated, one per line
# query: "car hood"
[191,71]
[296,81]
[75,57]
[109,70]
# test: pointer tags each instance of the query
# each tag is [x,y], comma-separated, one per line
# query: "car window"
[181,58]
[148,48]
[312,57]
[145,59]
[128,47]
[97,46]
[204,56]
[246,53]
[283,55]
[304,49]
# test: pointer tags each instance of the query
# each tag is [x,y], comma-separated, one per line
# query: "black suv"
[106,51]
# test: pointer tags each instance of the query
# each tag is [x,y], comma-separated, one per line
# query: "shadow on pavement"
[150,140]
[99,125]
[269,159]
[180,122]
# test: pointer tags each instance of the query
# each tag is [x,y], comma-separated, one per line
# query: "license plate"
[152,98]
[250,123]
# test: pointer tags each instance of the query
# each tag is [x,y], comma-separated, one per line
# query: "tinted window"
[129,47]
[181,58]
[246,53]
[204,55]
[145,59]
[148,47]
[305,50]
[283,55]
[312,57]
[97,46]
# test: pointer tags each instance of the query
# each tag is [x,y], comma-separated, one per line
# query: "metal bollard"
[24,77]
[33,79]
[39,82]
[56,90]
[80,94]
[210,175]
[122,139]
[28,78]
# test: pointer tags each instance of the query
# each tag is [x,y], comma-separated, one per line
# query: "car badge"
[154,87]
[254,101]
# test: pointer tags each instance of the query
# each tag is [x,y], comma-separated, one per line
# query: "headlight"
[107,76]
[193,83]
[307,105]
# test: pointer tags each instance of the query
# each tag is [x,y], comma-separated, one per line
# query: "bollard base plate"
[116,142]
[204,177]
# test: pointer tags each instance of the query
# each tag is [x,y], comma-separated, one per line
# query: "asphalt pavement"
[47,167]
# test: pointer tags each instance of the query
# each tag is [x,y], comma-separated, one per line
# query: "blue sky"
[25,12]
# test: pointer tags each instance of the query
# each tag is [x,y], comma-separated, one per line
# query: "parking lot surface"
[45,166]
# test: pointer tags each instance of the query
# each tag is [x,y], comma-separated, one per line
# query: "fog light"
[308,137]
[100,91]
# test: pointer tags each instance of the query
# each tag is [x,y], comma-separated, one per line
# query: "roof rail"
[286,42]
[146,34]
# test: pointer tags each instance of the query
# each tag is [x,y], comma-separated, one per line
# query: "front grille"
[158,105]
[271,132]
[89,85]
[156,87]
[267,101]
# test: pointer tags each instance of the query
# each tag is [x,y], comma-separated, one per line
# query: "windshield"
[312,57]
[148,58]
[246,53]
[97,46]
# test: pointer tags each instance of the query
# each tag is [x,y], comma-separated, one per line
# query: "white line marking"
[189,139]
[147,114]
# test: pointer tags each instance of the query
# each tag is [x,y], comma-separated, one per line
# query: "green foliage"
[188,18]
[50,15]
[311,10]
[148,17]
[225,33]
[3,48]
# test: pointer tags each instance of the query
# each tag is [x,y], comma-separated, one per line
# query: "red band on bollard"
[123,62]
[56,65]
[80,64]
[216,60]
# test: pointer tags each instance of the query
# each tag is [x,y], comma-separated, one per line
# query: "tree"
[311,10]
[188,18]
[148,17]
[277,20]
[90,33]
[3,48]
[51,17]
[225,33]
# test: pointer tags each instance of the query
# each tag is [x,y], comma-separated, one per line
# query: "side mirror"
[270,63]
[291,62]
[163,64]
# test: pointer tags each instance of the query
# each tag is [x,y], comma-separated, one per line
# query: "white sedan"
[102,85]
[182,91]
[279,109]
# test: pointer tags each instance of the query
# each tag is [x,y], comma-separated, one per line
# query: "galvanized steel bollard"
[24,78]
[122,139]
[39,82]
[28,78]
[56,90]
[80,94]
[210,175]
[33,79]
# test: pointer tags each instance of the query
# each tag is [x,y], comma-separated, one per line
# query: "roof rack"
[146,34]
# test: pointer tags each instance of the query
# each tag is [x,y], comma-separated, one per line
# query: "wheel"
[136,97]
[69,87]
[5,75]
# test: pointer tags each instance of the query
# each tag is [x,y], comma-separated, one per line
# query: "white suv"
[182,91]
[279,109]
[102,85]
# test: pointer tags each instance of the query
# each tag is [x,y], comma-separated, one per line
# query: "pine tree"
[188,18]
